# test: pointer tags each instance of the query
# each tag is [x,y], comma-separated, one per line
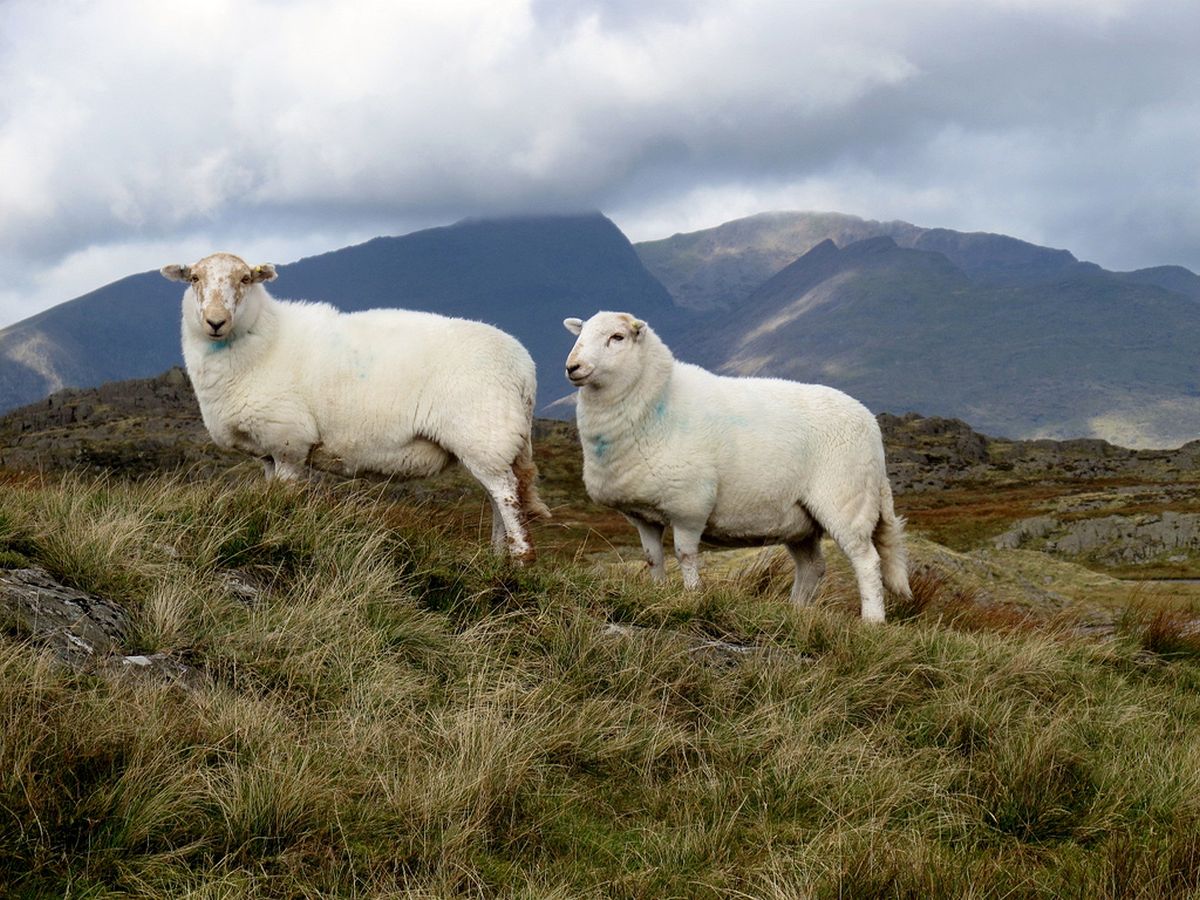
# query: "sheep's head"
[607,351]
[219,283]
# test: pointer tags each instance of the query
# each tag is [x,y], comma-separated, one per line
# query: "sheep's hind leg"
[687,551]
[810,568]
[864,558]
[502,488]
[499,536]
[651,535]
[287,470]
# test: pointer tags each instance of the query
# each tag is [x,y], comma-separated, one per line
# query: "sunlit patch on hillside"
[1154,423]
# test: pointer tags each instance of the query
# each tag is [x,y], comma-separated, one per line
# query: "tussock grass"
[393,713]
[1169,631]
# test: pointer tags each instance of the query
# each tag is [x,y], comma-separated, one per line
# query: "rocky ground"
[129,428]
[933,453]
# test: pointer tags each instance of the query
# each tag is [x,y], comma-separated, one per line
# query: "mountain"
[523,274]
[718,267]
[127,329]
[1017,338]
[1014,338]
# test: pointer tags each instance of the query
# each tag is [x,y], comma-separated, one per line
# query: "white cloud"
[128,124]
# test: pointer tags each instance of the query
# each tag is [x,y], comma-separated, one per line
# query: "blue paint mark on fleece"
[600,445]
[217,346]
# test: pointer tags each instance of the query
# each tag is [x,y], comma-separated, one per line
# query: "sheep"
[386,391]
[735,461]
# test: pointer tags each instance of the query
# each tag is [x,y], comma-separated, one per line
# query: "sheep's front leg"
[687,551]
[651,536]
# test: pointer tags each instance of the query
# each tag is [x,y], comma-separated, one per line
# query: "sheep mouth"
[579,380]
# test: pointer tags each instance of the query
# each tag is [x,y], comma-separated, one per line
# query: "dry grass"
[396,714]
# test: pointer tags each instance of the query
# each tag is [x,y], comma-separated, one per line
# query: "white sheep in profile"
[735,461]
[386,391]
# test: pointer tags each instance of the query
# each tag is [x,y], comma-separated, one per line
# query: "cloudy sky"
[137,133]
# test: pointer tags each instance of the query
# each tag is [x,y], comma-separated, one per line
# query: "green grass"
[399,714]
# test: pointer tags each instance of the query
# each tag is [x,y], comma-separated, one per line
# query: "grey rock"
[157,666]
[75,625]
[82,630]
[1024,531]
[240,587]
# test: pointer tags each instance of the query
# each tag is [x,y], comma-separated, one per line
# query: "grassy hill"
[391,712]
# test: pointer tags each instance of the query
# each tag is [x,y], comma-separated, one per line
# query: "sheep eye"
[195,279]
[245,279]
[617,337]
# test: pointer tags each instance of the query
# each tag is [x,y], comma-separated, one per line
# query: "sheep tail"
[888,538]
[526,471]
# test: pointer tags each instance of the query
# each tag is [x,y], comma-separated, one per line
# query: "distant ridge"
[717,268]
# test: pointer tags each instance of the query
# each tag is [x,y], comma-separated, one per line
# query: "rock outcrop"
[81,630]
[1117,540]
[75,625]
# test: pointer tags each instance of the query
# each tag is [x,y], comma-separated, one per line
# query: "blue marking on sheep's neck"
[217,346]
[600,446]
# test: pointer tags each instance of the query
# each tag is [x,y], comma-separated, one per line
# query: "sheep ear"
[265,272]
[175,272]
[573,325]
[636,327]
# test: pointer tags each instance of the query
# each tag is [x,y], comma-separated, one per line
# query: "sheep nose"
[215,326]
[571,370]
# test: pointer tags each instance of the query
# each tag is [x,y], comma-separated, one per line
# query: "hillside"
[1134,513]
[242,690]
[524,275]
[215,686]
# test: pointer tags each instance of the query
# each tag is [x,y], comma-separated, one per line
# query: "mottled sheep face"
[605,353]
[219,283]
